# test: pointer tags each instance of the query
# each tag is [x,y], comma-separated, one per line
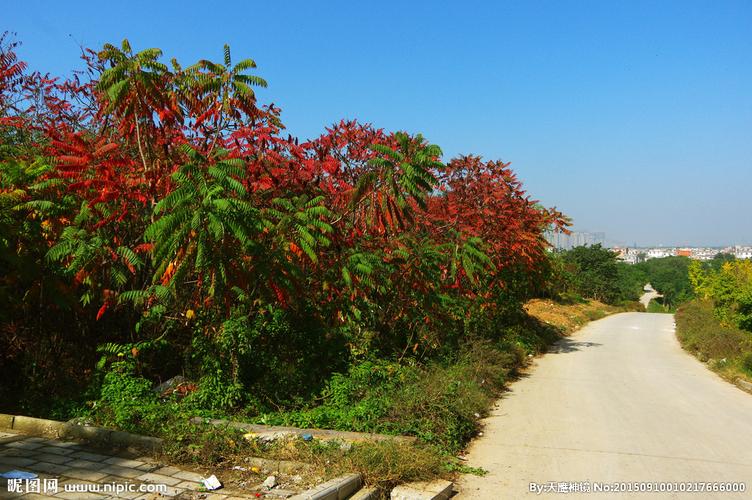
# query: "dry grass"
[568,317]
[225,452]
[381,463]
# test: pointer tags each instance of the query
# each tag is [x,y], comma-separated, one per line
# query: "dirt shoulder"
[569,317]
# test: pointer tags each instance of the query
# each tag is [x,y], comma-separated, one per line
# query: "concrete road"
[649,295]
[618,401]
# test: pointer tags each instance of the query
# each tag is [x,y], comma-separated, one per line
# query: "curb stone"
[433,490]
[69,430]
[6,421]
[37,426]
[322,434]
[743,385]
[338,488]
[367,494]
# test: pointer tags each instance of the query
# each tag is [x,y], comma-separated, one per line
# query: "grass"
[381,463]
[440,403]
[726,349]
[656,305]
[571,315]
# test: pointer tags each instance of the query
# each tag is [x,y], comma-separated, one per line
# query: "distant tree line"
[594,272]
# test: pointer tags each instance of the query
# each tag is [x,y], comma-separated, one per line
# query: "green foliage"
[669,276]
[746,362]
[399,177]
[133,80]
[656,306]
[631,280]
[125,400]
[299,224]
[217,392]
[270,358]
[438,402]
[356,400]
[203,226]
[702,334]
[593,272]
[728,283]
[224,83]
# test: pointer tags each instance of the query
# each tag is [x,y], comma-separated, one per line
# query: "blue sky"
[634,118]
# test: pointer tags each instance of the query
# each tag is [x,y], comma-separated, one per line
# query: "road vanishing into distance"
[618,401]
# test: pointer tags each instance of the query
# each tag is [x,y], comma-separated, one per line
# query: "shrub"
[700,332]
[125,400]
[746,363]
[670,277]
[593,272]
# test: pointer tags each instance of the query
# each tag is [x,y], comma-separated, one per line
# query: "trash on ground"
[270,436]
[249,436]
[237,467]
[270,482]
[307,437]
[18,474]
[177,385]
[211,483]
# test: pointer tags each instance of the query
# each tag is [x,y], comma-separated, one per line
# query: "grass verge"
[381,463]
[566,317]
[727,350]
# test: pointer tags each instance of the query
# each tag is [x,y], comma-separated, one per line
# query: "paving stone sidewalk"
[72,464]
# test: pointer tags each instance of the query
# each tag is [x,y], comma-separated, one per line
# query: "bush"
[669,276]
[747,363]
[440,406]
[728,283]
[439,402]
[126,400]
[593,272]
[700,332]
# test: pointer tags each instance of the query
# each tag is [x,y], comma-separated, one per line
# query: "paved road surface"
[618,401]
[649,295]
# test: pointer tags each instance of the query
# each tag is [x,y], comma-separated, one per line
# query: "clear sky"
[634,118]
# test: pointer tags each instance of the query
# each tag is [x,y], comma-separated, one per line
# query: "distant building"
[629,255]
[742,252]
[562,241]
[659,253]
[635,255]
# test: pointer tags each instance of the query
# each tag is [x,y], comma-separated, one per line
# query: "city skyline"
[592,237]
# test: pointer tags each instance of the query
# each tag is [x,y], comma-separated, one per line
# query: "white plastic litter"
[270,482]
[211,483]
